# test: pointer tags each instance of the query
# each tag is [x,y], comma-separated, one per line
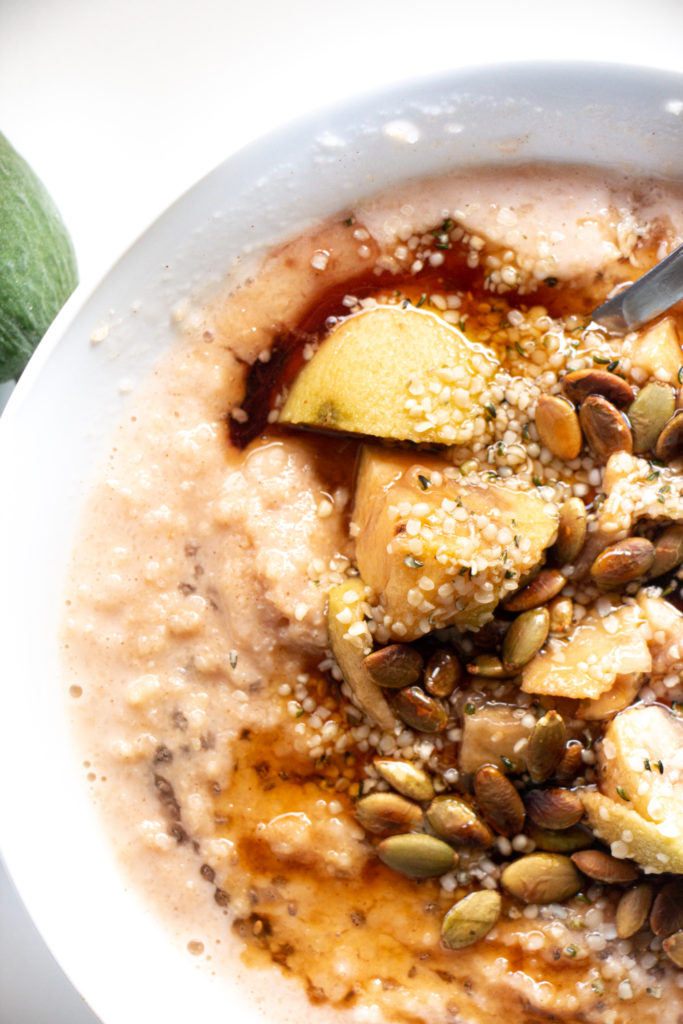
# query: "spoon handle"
[646,298]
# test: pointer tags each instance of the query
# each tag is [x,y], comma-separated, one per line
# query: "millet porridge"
[373,621]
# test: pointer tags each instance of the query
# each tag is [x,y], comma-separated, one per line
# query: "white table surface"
[119,107]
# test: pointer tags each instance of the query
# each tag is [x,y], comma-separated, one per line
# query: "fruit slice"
[631,836]
[639,809]
[495,734]
[395,373]
[586,664]
[657,351]
[350,641]
[37,262]
[438,549]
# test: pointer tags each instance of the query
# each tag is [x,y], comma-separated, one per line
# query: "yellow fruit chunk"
[657,352]
[350,641]
[491,732]
[644,842]
[599,650]
[395,373]
[639,810]
[440,549]
[623,692]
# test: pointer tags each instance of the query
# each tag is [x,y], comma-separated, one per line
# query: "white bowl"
[73,393]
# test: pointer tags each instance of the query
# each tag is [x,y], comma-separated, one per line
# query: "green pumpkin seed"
[541,878]
[667,910]
[602,867]
[420,711]
[490,666]
[558,426]
[561,615]
[649,412]
[442,673]
[498,801]
[554,808]
[471,918]
[387,814]
[579,384]
[673,947]
[395,666]
[524,638]
[605,428]
[542,589]
[623,562]
[454,820]
[670,442]
[417,854]
[571,532]
[571,764]
[546,746]
[567,840]
[633,910]
[668,551]
[406,778]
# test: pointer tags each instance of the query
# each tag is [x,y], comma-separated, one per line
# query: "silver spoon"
[646,298]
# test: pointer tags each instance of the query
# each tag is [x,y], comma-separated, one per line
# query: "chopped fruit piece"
[495,734]
[630,835]
[622,693]
[350,641]
[634,489]
[657,352]
[396,373]
[586,664]
[638,810]
[438,549]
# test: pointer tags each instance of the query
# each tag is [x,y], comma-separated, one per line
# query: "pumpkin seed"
[558,426]
[579,384]
[670,442]
[498,801]
[649,412]
[667,910]
[633,909]
[542,588]
[386,814]
[420,711]
[490,666]
[668,551]
[571,764]
[673,947]
[471,918]
[571,532]
[554,808]
[541,878]
[525,637]
[454,820]
[567,840]
[442,673]
[604,868]
[605,428]
[395,666]
[622,562]
[417,854]
[561,615]
[406,778]
[546,746]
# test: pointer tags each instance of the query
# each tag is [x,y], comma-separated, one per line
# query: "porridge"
[374,617]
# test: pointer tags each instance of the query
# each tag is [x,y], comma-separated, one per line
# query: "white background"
[120,107]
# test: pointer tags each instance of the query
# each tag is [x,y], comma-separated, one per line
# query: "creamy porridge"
[373,619]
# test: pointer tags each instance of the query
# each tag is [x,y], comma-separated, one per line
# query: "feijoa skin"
[37,262]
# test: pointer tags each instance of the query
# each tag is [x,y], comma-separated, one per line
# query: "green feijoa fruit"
[37,261]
